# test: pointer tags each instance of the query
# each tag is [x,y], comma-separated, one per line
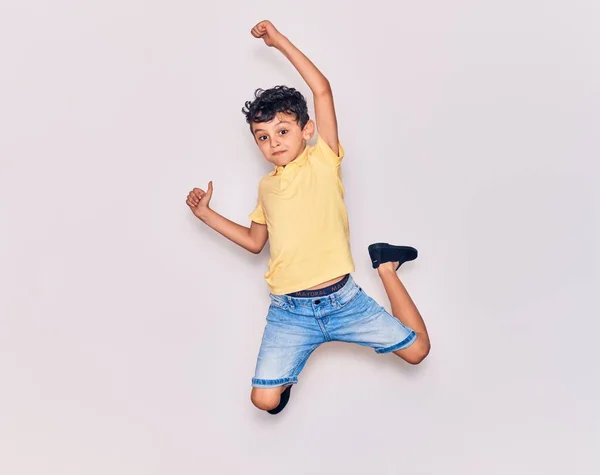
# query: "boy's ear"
[309,130]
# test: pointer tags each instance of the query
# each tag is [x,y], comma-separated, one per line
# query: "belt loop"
[290,301]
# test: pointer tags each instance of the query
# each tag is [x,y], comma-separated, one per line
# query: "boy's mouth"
[276,154]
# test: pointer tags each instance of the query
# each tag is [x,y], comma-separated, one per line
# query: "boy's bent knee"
[416,352]
[266,398]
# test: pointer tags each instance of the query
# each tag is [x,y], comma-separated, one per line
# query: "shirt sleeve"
[327,154]
[258,215]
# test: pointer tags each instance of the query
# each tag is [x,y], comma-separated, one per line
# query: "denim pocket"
[359,293]
[279,303]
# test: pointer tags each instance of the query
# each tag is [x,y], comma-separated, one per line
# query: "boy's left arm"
[318,84]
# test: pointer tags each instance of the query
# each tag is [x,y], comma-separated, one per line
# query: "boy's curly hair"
[268,103]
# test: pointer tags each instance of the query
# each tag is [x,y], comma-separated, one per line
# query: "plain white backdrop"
[129,331]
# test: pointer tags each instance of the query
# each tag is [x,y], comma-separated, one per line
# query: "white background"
[129,331]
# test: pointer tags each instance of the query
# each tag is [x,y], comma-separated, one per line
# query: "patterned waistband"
[321,292]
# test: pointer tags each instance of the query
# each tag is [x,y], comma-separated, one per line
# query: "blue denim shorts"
[296,326]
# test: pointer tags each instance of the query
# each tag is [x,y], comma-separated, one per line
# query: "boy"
[301,210]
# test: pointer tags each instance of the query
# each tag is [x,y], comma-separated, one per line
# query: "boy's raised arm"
[318,84]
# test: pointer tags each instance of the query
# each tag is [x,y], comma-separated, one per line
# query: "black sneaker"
[285,397]
[383,252]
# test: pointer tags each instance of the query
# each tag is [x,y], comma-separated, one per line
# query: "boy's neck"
[297,156]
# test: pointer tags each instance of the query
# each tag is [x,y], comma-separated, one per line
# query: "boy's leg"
[267,399]
[404,309]
[291,334]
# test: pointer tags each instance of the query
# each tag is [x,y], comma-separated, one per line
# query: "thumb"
[209,191]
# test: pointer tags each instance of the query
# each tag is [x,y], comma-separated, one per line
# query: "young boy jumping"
[300,210]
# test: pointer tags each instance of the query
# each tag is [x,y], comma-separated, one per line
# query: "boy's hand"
[198,200]
[267,32]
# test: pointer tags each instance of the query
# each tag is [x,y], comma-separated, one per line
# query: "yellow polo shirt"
[302,205]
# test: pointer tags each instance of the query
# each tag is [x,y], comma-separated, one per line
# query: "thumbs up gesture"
[198,200]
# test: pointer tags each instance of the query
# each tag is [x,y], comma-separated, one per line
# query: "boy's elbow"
[324,89]
[256,248]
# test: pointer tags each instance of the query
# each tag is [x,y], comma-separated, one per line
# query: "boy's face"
[281,140]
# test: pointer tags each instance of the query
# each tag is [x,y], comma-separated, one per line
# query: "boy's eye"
[262,138]
[283,131]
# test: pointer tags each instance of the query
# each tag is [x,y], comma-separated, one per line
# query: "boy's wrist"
[282,42]
[204,215]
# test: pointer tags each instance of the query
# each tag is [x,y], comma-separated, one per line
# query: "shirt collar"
[291,167]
